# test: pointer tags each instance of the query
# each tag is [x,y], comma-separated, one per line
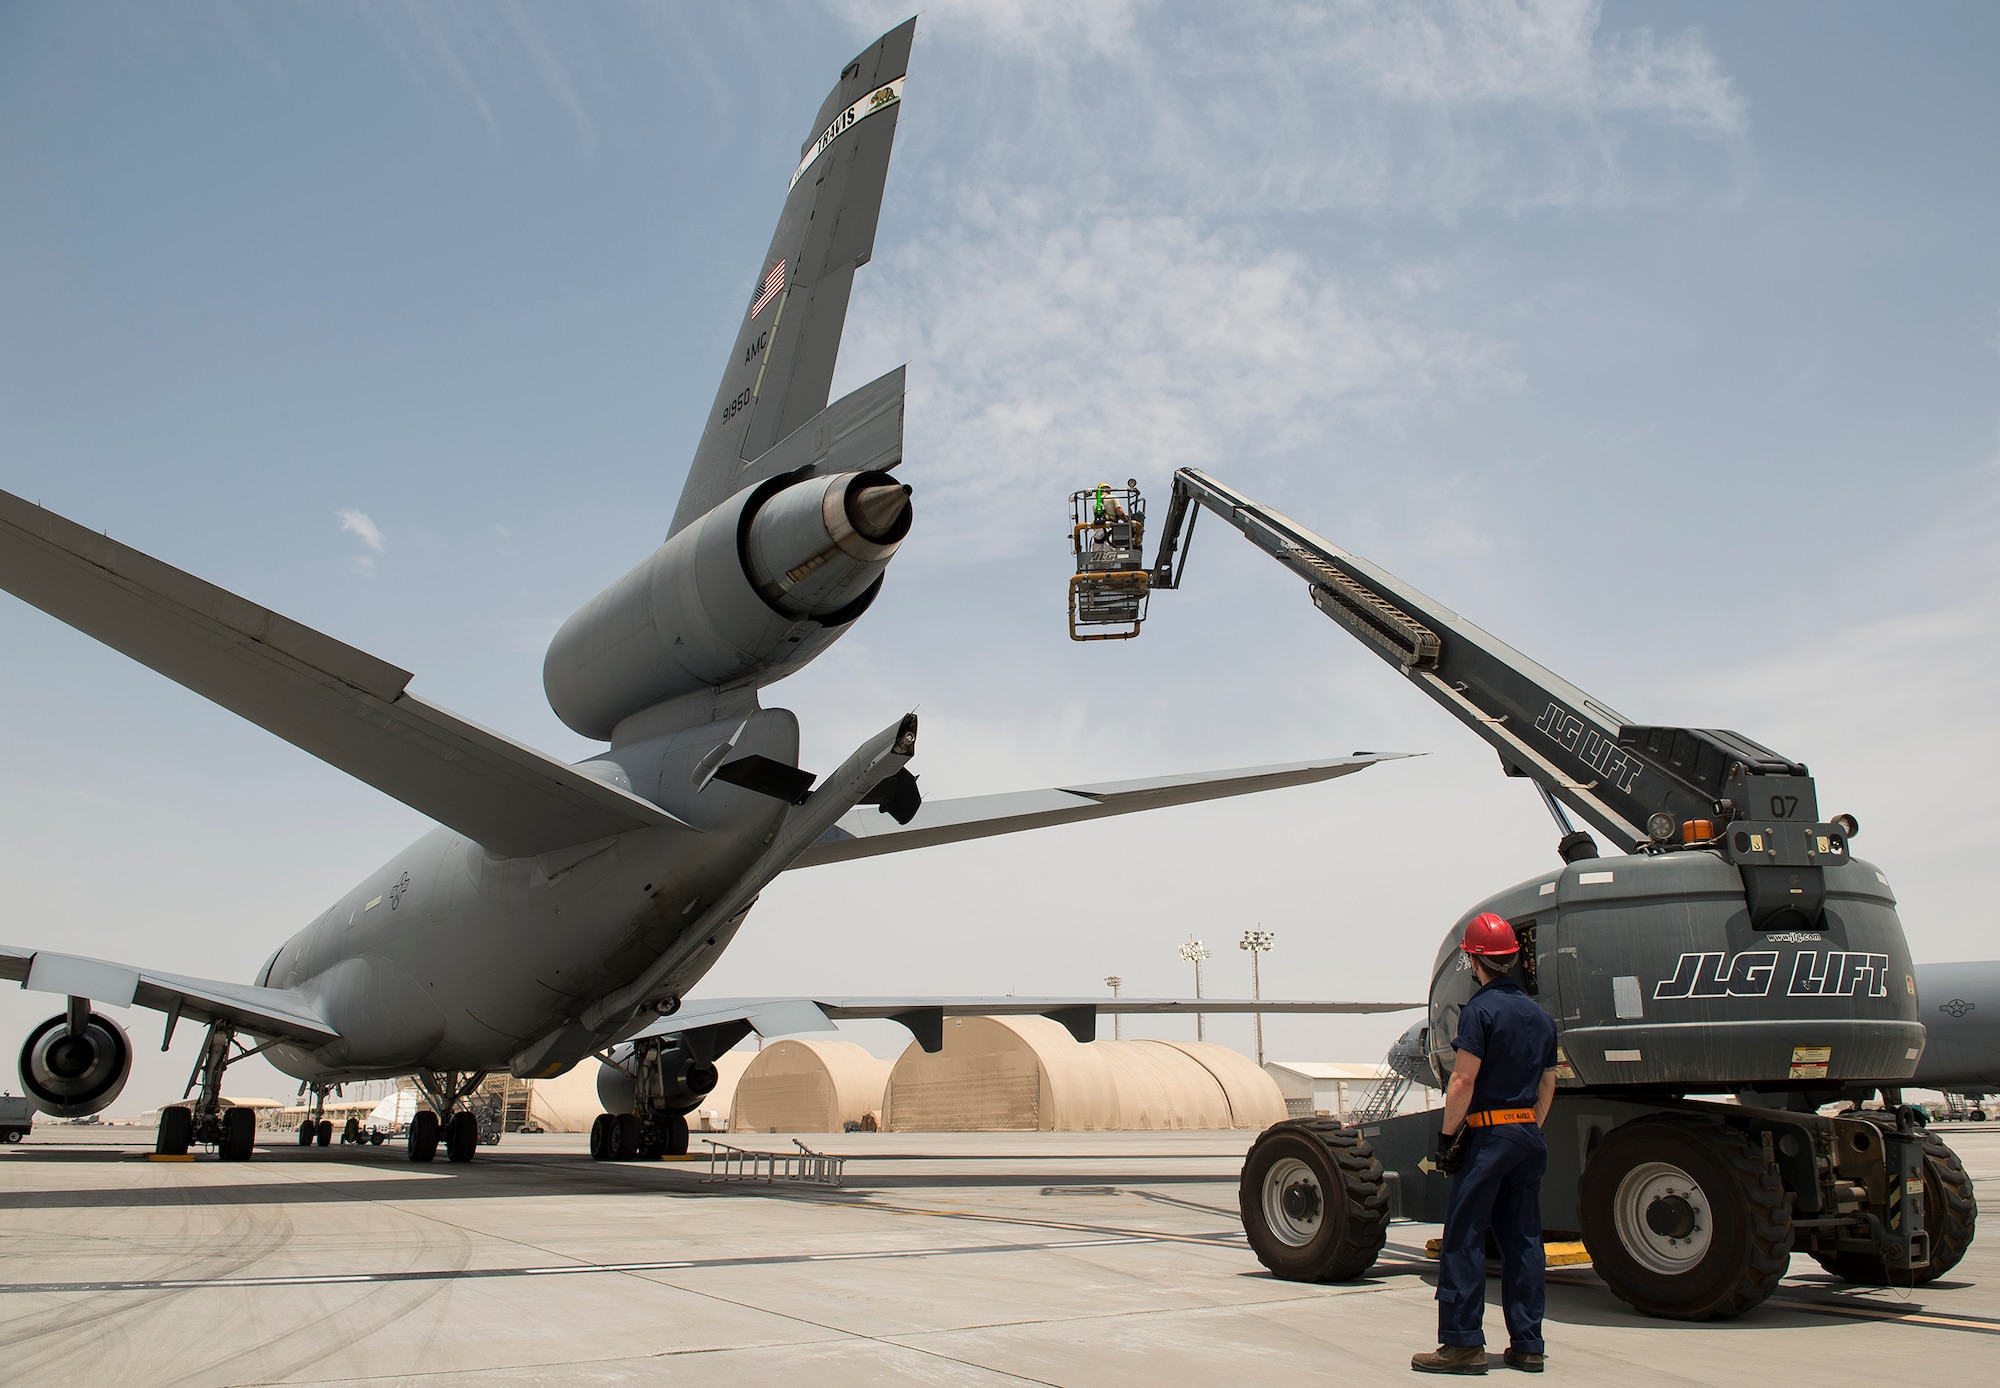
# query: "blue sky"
[1660,340]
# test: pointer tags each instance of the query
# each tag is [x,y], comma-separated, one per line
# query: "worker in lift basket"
[1491,1145]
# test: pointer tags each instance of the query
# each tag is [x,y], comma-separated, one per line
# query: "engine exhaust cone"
[876,511]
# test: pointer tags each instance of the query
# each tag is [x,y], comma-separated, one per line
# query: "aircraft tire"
[603,1137]
[323,1132]
[239,1134]
[1656,1176]
[1950,1214]
[305,1132]
[1313,1201]
[176,1131]
[462,1138]
[627,1131]
[674,1128]
[423,1136]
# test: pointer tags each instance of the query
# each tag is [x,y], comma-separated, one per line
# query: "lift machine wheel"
[1685,1219]
[1313,1201]
[1950,1213]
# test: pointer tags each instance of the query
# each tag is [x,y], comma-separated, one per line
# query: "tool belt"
[1493,1116]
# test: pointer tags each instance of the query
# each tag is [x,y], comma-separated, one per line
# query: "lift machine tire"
[1950,1214]
[1313,1201]
[1685,1219]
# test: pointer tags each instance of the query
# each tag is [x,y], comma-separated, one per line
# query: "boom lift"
[1738,950]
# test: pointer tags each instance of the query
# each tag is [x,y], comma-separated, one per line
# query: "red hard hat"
[1488,934]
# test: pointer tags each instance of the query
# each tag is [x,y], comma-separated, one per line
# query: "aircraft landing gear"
[423,1136]
[463,1140]
[447,1118]
[233,1131]
[637,1136]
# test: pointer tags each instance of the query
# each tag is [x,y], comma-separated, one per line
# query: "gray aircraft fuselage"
[1960,1007]
[448,958]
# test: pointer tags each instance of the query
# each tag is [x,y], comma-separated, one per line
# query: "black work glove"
[1451,1151]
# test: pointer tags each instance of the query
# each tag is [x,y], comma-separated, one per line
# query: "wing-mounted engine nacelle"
[742,597]
[75,1063]
[656,1074]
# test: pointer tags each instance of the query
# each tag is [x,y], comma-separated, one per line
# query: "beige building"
[795,1086]
[1029,1073]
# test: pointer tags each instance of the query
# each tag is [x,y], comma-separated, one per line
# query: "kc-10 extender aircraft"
[561,912]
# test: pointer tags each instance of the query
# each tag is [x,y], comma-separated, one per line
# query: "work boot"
[1527,1361]
[1451,1359]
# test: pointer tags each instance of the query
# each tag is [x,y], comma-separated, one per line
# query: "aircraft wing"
[865,832]
[283,1013]
[341,704]
[924,1016]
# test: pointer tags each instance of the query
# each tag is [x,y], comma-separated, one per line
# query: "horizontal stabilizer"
[268,1012]
[865,833]
[343,705]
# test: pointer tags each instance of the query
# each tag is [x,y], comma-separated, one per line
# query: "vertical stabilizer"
[781,368]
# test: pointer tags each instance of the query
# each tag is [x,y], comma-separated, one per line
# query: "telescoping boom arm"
[1643,788]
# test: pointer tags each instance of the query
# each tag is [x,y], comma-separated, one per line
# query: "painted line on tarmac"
[1978,1325]
[1849,1310]
[336,1279]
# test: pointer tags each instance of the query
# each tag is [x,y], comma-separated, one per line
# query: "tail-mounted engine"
[76,1063]
[744,596]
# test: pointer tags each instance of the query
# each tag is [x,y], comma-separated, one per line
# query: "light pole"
[1257,942]
[1194,951]
[1114,982]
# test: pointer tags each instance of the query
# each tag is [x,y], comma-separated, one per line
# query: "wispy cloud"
[478,52]
[1431,108]
[359,525]
[1045,341]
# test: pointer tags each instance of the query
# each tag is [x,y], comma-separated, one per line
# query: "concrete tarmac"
[977,1258]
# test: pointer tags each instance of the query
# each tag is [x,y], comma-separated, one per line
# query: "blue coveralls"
[1500,1184]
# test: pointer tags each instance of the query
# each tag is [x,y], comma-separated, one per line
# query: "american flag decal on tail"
[774,285]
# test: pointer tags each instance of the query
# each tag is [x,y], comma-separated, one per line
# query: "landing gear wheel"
[1313,1202]
[626,1146]
[324,1132]
[1684,1219]
[306,1132]
[603,1137]
[176,1131]
[674,1128]
[424,1136]
[1950,1213]
[239,1134]
[463,1140]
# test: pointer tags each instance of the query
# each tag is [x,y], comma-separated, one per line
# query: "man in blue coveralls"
[1491,1144]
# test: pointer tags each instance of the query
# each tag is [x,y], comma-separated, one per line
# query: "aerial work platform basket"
[1108,538]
